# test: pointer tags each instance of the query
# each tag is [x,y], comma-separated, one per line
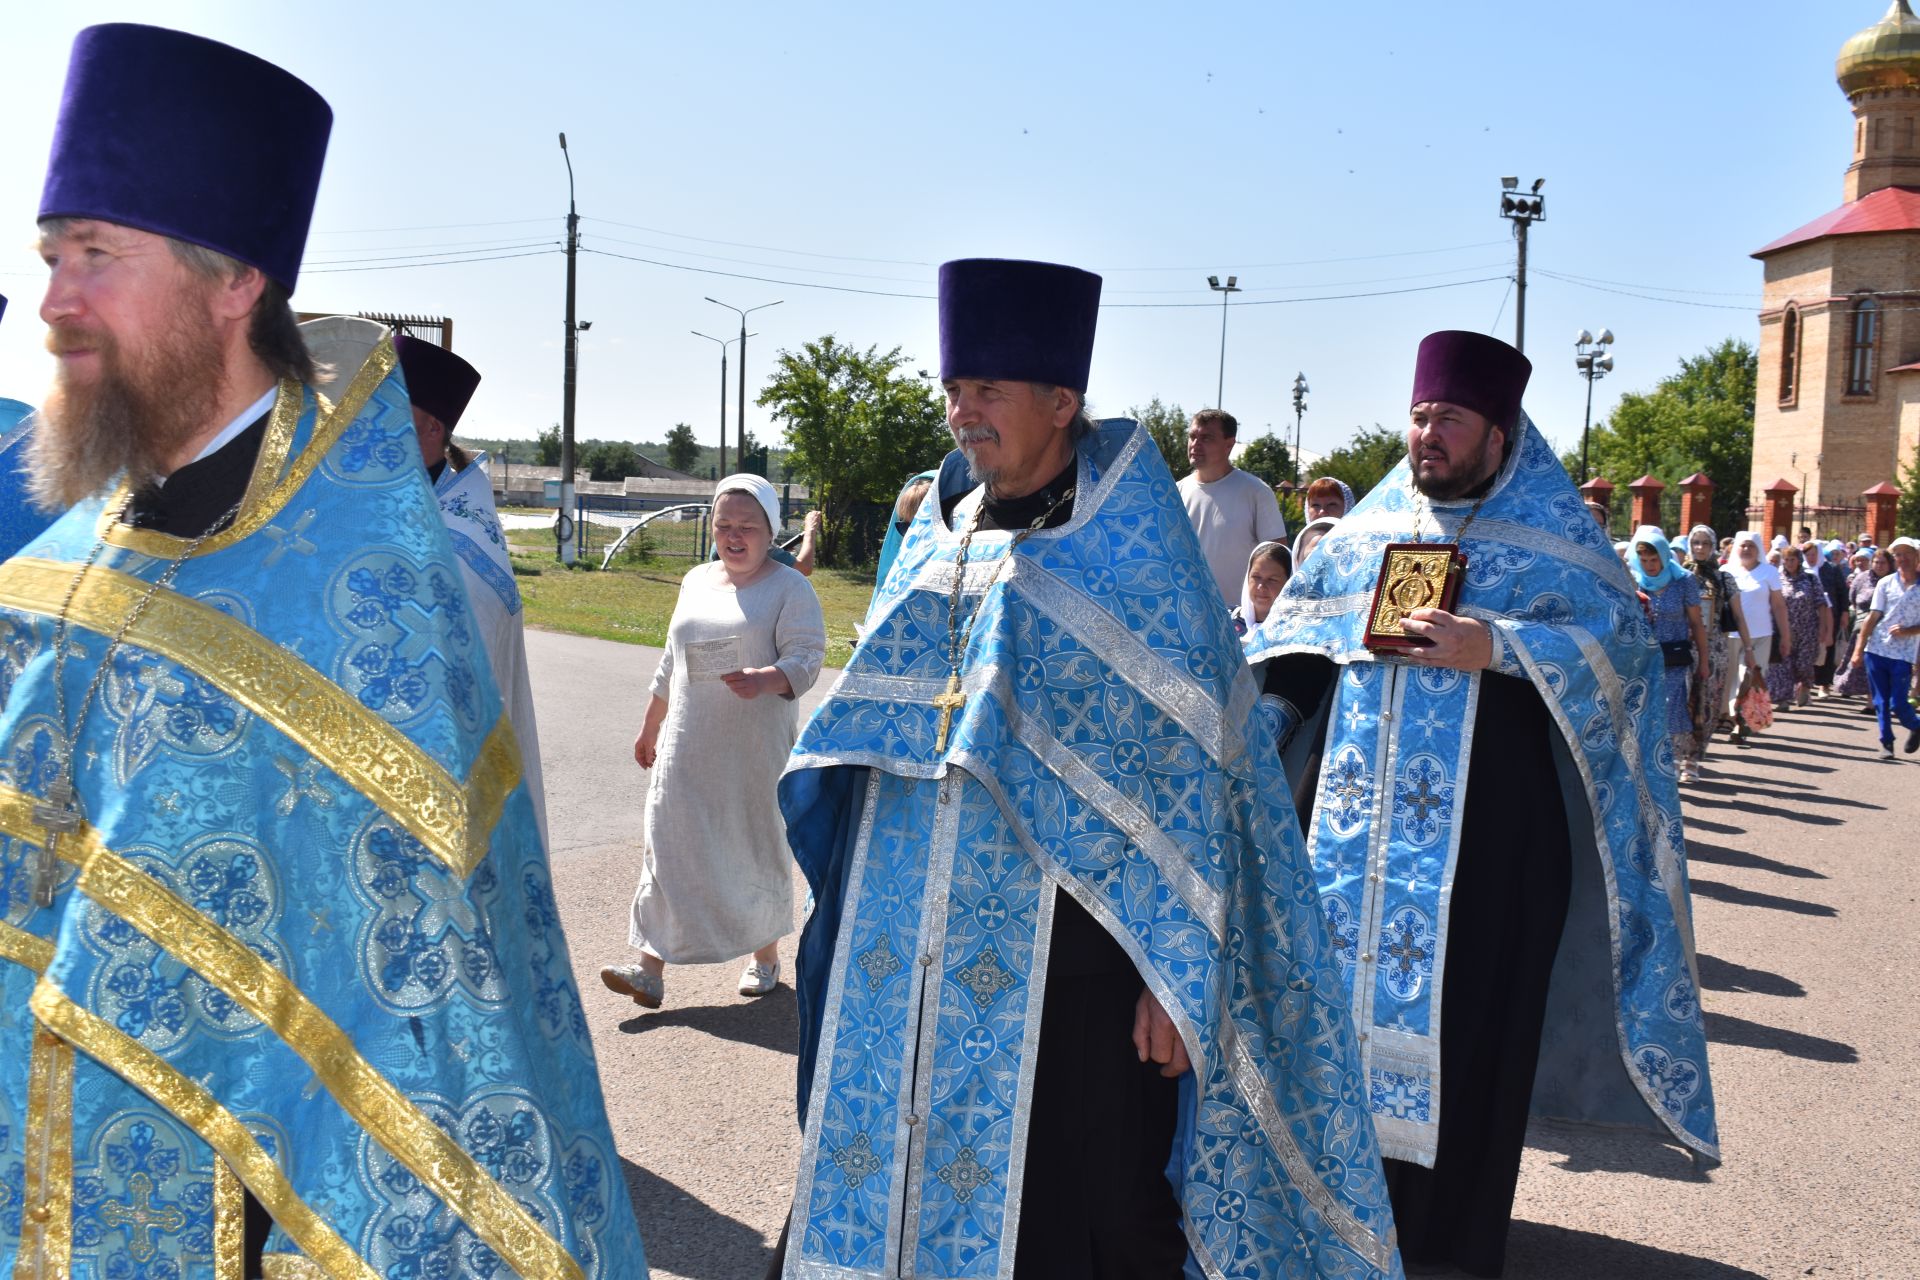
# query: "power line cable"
[1324,297]
[451,253]
[1508,293]
[1648,297]
[495,242]
[451,262]
[437,226]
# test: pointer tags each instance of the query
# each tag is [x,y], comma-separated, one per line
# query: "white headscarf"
[757,488]
[1325,524]
[1246,590]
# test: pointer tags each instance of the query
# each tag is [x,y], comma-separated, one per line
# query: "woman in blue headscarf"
[1673,597]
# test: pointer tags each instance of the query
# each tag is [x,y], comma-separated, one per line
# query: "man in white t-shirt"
[1232,511]
[1890,640]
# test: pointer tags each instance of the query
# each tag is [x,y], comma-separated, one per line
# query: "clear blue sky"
[1308,149]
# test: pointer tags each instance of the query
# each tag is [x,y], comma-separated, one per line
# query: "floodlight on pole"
[1523,209]
[1593,360]
[1300,390]
[1226,292]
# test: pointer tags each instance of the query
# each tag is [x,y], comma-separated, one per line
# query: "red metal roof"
[1888,209]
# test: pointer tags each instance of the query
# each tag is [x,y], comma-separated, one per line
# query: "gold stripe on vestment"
[201,1112]
[229,1224]
[46,1207]
[373,1102]
[366,752]
[288,1266]
[268,491]
[25,949]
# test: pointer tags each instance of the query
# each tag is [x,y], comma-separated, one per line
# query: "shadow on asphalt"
[1594,1150]
[1735,791]
[1536,1251]
[1720,855]
[1798,749]
[1750,898]
[770,1022]
[1724,975]
[1745,804]
[1724,1028]
[688,1238]
[1696,823]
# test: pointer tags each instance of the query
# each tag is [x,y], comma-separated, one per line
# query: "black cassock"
[1509,905]
[1095,1201]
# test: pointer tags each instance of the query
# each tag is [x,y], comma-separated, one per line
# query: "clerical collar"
[199,495]
[1018,513]
[247,417]
[433,472]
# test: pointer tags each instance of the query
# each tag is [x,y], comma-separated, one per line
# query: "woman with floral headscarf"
[1674,597]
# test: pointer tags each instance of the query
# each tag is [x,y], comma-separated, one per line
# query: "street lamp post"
[1226,292]
[742,415]
[563,527]
[1523,209]
[1793,460]
[724,344]
[1592,358]
[1300,390]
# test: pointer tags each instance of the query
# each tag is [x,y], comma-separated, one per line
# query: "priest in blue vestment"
[1490,804]
[21,519]
[1068,1009]
[283,988]
[440,385]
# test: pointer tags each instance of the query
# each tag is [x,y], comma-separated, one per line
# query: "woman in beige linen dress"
[746,640]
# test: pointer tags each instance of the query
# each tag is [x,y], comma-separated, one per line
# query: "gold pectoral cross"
[949,702]
[57,816]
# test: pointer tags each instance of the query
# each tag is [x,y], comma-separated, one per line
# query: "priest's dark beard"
[1459,486]
[132,419]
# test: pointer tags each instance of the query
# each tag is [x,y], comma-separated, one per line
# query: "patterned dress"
[1670,605]
[1805,598]
[1716,590]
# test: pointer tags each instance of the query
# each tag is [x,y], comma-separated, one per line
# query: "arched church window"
[1789,353]
[1863,336]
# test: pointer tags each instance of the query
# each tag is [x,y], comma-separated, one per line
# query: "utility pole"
[1226,292]
[1523,209]
[563,527]
[723,391]
[742,415]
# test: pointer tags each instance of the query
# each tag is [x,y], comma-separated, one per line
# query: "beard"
[1459,481]
[132,418]
[967,440]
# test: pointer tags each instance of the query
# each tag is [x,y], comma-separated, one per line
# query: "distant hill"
[705,465]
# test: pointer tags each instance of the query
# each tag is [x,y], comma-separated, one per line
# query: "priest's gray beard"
[969,438]
[131,419]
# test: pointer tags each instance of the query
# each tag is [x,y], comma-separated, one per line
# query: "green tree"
[682,449]
[1907,519]
[1363,461]
[753,457]
[1267,457]
[611,460]
[1699,418]
[1167,425]
[857,423]
[546,447]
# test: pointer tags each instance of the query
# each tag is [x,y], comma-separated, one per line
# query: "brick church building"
[1837,417]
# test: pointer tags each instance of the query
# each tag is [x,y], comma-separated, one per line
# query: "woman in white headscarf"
[746,640]
[1765,611]
[1309,538]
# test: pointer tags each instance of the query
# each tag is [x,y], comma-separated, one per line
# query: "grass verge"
[633,603]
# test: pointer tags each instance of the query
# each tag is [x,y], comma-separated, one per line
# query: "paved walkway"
[1804,861]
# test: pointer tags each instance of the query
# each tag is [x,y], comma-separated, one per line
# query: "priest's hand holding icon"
[1155,1037]
[1464,644]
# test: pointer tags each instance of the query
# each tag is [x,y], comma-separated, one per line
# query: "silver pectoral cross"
[57,816]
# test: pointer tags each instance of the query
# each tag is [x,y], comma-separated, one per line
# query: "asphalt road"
[1804,861]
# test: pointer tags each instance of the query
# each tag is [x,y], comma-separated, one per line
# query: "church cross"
[285,540]
[949,702]
[139,1212]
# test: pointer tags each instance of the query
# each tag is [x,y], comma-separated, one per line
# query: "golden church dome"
[1884,56]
